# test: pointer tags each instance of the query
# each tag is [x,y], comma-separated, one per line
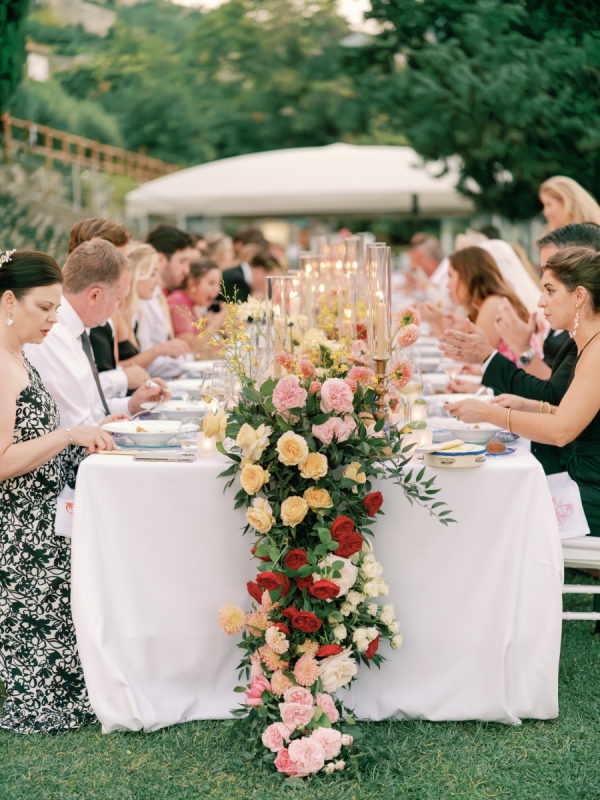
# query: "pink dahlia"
[285,360]
[308,754]
[328,707]
[330,740]
[307,368]
[298,694]
[306,670]
[336,396]
[362,375]
[231,618]
[400,373]
[280,683]
[407,315]
[359,352]
[405,337]
[289,394]
[275,736]
[254,693]
[296,715]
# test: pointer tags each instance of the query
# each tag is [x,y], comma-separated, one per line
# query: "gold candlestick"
[380,389]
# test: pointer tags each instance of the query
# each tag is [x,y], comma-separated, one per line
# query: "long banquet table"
[157,549]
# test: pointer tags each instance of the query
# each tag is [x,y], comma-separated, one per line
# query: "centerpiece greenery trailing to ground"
[307,451]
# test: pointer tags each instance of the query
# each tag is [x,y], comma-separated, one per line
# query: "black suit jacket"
[503,376]
[234,286]
[553,344]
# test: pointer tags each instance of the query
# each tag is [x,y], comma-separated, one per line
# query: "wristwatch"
[526,357]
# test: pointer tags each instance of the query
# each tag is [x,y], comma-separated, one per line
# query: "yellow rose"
[260,515]
[353,471]
[253,478]
[215,425]
[293,510]
[292,448]
[318,498]
[314,466]
[253,441]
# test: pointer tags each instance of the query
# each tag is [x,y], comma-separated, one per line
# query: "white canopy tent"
[338,179]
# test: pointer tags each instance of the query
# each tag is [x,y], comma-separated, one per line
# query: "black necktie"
[87,349]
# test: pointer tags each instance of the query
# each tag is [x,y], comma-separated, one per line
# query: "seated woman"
[190,304]
[475,283]
[570,301]
[143,261]
[39,663]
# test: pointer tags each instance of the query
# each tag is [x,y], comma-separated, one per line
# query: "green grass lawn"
[556,760]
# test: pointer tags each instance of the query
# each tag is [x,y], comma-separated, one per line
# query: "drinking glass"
[221,383]
[187,434]
[414,387]
[451,368]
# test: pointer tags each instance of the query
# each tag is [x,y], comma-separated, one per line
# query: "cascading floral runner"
[307,453]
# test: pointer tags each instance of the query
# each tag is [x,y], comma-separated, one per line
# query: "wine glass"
[451,368]
[411,390]
[221,383]
[187,434]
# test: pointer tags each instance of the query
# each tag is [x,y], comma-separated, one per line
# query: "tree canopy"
[12,47]
[513,88]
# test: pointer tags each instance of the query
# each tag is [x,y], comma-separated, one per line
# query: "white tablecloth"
[157,549]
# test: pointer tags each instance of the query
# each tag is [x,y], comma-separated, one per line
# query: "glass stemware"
[411,390]
[187,434]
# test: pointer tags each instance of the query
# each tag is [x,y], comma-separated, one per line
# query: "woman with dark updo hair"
[39,664]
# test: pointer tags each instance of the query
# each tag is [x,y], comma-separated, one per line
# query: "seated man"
[96,280]
[505,377]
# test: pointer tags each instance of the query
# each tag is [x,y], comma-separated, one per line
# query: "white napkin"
[567,505]
[63,521]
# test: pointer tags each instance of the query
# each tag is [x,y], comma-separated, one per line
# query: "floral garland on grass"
[306,453]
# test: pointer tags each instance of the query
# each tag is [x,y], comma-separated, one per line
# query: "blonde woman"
[143,260]
[565,201]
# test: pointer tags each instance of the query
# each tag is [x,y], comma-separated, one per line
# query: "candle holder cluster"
[379,281]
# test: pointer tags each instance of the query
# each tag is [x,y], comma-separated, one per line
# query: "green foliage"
[12,47]
[513,88]
[48,104]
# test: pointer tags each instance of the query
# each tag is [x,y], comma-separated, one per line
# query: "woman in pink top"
[190,303]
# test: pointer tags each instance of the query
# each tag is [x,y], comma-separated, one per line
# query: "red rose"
[262,558]
[269,580]
[372,648]
[306,621]
[324,590]
[305,583]
[361,330]
[283,628]
[373,502]
[328,650]
[286,586]
[254,591]
[339,526]
[296,559]
[349,544]
[290,612]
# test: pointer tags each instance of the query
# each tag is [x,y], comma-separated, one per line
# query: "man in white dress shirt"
[96,280]
[175,252]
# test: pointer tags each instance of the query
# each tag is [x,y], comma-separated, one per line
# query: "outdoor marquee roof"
[336,179]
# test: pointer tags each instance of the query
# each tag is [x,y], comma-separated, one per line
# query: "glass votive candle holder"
[419,411]
[207,446]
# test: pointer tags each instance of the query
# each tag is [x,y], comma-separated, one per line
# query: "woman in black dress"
[39,664]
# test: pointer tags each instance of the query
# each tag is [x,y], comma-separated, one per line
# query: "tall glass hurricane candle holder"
[309,268]
[346,304]
[379,276]
[280,296]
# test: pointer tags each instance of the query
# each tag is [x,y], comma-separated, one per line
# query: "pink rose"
[307,368]
[289,394]
[330,740]
[284,763]
[296,715]
[275,736]
[340,428]
[362,375]
[352,384]
[254,694]
[359,352]
[336,396]
[307,754]
[315,386]
[298,694]
[328,707]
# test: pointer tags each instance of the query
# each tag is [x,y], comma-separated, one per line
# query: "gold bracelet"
[541,406]
[508,410]
[549,406]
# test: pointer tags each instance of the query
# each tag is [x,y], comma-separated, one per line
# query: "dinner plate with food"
[145,432]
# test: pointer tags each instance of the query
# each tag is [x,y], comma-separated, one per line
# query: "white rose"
[372,633]
[371,589]
[355,598]
[355,558]
[348,573]
[371,570]
[339,765]
[340,632]
[388,614]
[384,589]
[367,548]
[360,639]
[394,626]
[372,609]
[396,641]
[336,671]
[347,608]
[347,739]
[329,768]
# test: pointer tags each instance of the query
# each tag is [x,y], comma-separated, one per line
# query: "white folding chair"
[581,552]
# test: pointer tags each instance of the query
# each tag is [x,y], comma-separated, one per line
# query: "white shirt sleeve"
[113,382]
[488,360]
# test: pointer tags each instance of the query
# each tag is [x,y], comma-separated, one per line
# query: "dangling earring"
[576,325]
[9,319]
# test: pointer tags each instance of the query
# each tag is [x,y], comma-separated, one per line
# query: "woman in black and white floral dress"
[39,664]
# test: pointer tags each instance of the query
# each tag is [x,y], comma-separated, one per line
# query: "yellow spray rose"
[253,441]
[293,510]
[314,466]
[292,448]
[215,425]
[253,478]
[353,471]
[318,498]
[260,515]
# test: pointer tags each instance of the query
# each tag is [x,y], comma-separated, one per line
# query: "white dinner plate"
[196,367]
[189,386]
[468,432]
[181,409]
[145,432]
[440,399]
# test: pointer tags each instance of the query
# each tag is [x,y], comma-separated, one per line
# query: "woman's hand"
[469,410]
[174,348]
[516,402]
[459,386]
[93,439]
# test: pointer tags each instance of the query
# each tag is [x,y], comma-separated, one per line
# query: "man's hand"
[151,392]
[468,345]
[136,376]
